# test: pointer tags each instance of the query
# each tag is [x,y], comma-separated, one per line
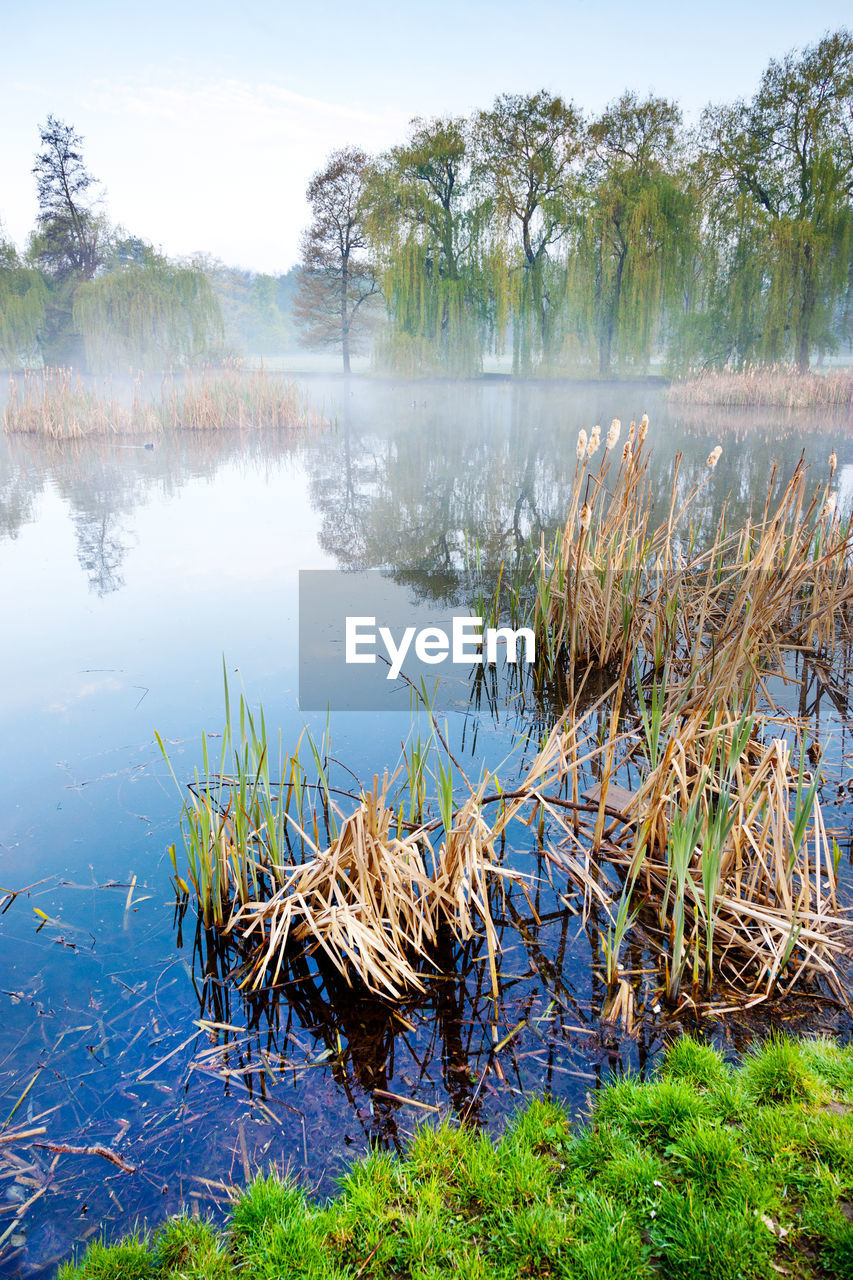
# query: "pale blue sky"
[205,120]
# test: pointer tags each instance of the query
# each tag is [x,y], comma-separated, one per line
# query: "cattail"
[613,434]
[833,463]
[829,507]
[714,457]
[581,444]
[594,441]
[585,516]
[631,432]
[644,427]
[627,449]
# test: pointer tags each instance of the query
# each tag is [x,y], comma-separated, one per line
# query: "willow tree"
[338,282]
[639,230]
[526,148]
[22,305]
[423,227]
[782,166]
[150,314]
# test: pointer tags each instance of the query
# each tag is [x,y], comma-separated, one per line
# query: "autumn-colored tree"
[338,281]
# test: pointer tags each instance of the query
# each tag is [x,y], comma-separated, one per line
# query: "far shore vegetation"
[557,242]
[761,386]
[702,1173]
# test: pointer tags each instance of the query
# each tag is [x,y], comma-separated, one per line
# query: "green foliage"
[640,232]
[424,232]
[150,314]
[780,175]
[23,295]
[667,1181]
[778,1072]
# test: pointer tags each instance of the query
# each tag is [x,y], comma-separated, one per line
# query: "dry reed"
[780,386]
[59,404]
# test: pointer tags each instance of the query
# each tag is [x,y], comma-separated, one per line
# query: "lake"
[127,576]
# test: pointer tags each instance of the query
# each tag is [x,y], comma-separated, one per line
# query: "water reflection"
[189,550]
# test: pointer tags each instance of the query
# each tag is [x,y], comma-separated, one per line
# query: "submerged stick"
[63,1148]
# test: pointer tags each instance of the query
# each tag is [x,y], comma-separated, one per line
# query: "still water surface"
[126,576]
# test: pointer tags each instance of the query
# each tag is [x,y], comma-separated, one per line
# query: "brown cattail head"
[627,449]
[714,456]
[644,427]
[833,463]
[829,507]
[613,434]
[585,516]
[581,445]
[594,441]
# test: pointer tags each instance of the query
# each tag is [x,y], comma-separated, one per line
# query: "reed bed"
[56,403]
[703,833]
[626,588]
[723,850]
[233,396]
[779,386]
[61,405]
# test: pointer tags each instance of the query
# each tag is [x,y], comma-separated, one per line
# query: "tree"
[70,233]
[424,229]
[525,152]
[640,225]
[22,303]
[338,281]
[147,312]
[782,174]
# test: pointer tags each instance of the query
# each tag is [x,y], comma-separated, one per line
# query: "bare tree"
[338,282]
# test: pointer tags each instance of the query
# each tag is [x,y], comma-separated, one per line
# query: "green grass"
[705,1172]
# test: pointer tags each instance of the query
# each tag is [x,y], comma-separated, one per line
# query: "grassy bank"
[780,386]
[703,1172]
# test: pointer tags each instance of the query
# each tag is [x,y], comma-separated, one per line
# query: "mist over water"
[127,574]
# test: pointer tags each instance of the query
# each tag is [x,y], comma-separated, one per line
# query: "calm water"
[126,575]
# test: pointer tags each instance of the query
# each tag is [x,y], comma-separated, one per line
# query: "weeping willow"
[23,296]
[635,255]
[425,235]
[777,288]
[147,316]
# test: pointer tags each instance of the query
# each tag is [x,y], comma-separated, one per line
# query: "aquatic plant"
[61,405]
[781,386]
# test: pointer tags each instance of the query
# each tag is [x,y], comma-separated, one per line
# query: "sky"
[204,121]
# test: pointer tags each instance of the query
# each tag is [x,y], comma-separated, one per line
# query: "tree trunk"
[345,343]
[606,346]
[805,320]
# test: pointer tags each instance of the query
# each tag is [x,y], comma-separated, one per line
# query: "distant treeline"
[607,245]
[615,243]
[89,294]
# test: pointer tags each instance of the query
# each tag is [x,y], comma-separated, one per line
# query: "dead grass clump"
[726,860]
